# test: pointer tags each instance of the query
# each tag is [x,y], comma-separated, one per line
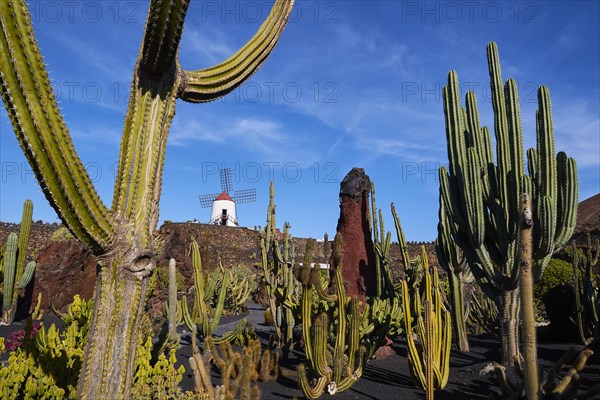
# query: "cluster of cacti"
[12,266]
[121,236]
[205,316]
[332,338]
[238,292]
[452,261]
[482,198]
[587,293]
[429,359]
[48,364]
[382,315]
[282,288]
[155,380]
[239,370]
[551,385]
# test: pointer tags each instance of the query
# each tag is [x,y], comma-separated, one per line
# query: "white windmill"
[223,204]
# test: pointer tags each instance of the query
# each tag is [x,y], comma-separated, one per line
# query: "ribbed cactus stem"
[27,275]
[24,231]
[10,261]
[528,334]
[172,298]
[456,267]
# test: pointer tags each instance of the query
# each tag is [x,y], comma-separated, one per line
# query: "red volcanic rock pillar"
[358,254]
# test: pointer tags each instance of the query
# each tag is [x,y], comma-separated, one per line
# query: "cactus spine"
[16,274]
[482,199]
[429,363]
[122,237]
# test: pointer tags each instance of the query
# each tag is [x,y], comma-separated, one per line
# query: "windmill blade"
[244,196]
[226,184]
[206,200]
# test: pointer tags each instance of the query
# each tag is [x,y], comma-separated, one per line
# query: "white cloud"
[210,44]
[577,131]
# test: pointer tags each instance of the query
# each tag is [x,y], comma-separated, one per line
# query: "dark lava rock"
[358,259]
[64,268]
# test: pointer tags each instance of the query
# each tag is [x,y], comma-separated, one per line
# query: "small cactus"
[16,274]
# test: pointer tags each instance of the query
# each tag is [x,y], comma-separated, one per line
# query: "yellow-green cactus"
[332,341]
[429,360]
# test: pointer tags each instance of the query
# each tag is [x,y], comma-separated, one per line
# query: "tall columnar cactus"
[452,261]
[122,237]
[16,274]
[283,289]
[482,198]
[429,360]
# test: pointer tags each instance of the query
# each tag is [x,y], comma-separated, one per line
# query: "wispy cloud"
[257,134]
[207,47]
[577,132]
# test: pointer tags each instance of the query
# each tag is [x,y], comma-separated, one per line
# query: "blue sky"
[351,83]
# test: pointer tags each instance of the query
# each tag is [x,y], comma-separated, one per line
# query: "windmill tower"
[223,204]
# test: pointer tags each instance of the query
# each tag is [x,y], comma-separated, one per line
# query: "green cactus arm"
[162,36]
[220,302]
[311,392]
[567,199]
[9,262]
[27,275]
[24,232]
[173,298]
[209,84]
[41,130]
[321,337]
[401,239]
[143,146]
[187,317]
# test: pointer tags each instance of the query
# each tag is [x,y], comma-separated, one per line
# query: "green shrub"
[557,272]
[162,279]
[61,233]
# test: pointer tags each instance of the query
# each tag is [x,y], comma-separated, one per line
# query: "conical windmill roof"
[224,196]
